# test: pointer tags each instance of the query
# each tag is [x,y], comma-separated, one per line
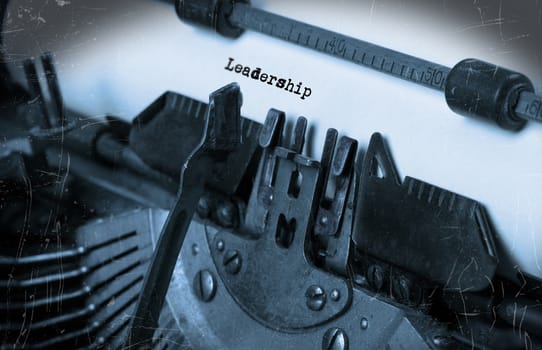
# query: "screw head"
[335,339]
[226,214]
[205,285]
[335,295]
[324,220]
[316,298]
[232,262]
[375,275]
[364,323]
[203,208]
[195,249]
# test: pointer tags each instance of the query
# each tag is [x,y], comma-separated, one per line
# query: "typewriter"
[194,226]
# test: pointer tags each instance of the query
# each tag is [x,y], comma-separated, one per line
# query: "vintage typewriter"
[193,227]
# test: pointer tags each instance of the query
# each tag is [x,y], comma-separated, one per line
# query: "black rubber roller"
[478,89]
[210,13]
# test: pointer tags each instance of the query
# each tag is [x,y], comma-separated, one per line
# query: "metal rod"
[360,52]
